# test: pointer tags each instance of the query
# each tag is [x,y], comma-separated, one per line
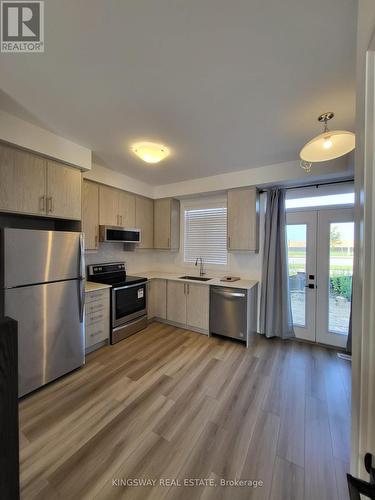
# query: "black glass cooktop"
[113,274]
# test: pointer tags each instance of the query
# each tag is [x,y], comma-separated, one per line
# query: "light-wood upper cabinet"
[127,209]
[144,220]
[167,224]
[63,191]
[197,306]
[90,214]
[243,219]
[176,302]
[32,185]
[109,206]
[22,182]
[116,207]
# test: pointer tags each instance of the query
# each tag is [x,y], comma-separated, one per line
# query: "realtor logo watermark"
[22,26]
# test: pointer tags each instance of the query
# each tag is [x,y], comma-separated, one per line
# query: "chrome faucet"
[201,269]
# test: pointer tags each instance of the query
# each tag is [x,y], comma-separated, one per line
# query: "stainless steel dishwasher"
[233,312]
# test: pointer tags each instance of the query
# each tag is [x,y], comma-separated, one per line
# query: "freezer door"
[50,333]
[34,256]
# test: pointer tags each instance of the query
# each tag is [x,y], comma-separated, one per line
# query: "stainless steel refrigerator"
[42,287]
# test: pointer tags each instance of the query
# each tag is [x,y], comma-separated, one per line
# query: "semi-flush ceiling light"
[150,152]
[326,146]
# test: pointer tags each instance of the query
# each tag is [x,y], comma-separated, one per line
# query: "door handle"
[310,285]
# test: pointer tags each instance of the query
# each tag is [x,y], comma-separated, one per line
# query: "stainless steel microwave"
[116,234]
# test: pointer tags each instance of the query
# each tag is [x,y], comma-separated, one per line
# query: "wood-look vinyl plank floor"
[168,405]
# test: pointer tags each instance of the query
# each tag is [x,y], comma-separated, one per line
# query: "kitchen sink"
[194,278]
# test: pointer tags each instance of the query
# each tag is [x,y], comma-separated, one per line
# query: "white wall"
[137,261]
[113,178]
[281,173]
[363,359]
[29,136]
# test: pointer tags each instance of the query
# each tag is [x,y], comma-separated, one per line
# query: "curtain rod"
[316,184]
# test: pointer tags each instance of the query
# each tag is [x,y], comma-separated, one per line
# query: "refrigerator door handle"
[81,270]
[81,285]
[82,275]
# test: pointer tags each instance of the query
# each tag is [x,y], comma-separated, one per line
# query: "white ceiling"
[227,85]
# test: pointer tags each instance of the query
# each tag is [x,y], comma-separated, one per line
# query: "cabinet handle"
[42,204]
[49,205]
[121,220]
[188,288]
[228,241]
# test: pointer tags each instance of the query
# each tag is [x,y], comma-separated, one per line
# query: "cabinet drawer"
[96,333]
[96,306]
[95,317]
[97,295]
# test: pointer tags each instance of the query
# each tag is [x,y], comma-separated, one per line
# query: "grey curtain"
[275,306]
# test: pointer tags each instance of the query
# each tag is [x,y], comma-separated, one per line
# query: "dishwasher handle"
[225,293]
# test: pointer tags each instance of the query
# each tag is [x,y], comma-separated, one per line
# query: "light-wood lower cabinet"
[176,302]
[188,304]
[90,214]
[96,318]
[197,306]
[157,299]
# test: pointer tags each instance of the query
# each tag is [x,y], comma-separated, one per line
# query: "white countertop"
[90,286]
[245,284]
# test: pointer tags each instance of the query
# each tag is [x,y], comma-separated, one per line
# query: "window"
[205,234]
[324,195]
[321,201]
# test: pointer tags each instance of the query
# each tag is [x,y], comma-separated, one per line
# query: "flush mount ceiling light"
[150,152]
[329,145]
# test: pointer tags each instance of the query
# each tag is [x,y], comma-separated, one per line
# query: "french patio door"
[320,258]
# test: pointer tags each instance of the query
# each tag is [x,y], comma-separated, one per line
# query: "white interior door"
[320,258]
[335,245]
[301,236]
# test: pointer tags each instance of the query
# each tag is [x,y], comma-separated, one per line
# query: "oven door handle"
[143,283]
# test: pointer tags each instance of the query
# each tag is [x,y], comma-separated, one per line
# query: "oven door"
[128,302]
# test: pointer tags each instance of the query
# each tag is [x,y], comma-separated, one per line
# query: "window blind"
[206,235]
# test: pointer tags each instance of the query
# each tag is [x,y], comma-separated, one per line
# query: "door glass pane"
[296,237]
[340,276]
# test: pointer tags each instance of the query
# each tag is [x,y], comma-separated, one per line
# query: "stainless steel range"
[128,298]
